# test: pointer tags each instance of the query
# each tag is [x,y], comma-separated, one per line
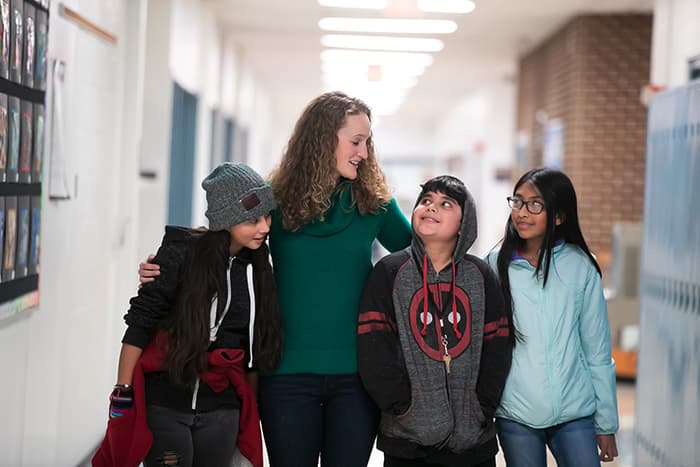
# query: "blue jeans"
[206,439]
[306,415]
[573,443]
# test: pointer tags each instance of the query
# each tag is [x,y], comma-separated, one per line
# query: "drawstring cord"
[454,302]
[425,295]
[425,299]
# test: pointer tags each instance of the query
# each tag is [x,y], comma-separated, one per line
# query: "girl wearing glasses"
[561,388]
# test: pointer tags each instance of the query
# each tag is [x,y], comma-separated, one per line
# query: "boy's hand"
[148,271]
[608,447]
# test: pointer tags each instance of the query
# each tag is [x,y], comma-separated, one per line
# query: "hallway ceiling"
[280,39]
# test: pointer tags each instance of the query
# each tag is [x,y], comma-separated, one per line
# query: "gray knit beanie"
[235,194]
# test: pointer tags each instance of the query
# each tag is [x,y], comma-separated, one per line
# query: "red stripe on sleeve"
[493,325]
[371,327]
[501,332]
[372,316]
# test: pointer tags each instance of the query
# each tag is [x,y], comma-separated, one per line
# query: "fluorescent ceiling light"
[387,25]
[366,4]
[402,44]
[371,57]
[446,6]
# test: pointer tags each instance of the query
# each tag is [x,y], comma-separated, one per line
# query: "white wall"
[208,64]
[59,360]
[157,121]
[56,363]
[394,140]
[675,39]
[481,130]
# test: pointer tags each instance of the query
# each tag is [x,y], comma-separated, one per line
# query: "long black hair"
[559,201]
[201,280]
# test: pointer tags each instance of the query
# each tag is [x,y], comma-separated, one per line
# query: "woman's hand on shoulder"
[148,271]
[608,447]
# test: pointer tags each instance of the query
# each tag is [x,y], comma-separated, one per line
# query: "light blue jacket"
[562,370]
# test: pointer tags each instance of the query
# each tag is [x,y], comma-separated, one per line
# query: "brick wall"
[589,75]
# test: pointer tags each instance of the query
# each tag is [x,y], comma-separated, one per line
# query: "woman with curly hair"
[333,202]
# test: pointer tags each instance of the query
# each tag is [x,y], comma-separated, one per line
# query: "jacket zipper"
[439,322]
[555,398]
[214,326]
[194,394]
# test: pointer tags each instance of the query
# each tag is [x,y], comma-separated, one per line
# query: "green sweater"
[321,271]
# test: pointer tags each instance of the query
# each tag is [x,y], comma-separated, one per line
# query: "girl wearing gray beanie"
[198,334]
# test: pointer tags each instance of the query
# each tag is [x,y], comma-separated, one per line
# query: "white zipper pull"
[194,394]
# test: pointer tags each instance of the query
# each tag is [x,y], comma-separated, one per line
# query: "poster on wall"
[553,144]
[40,60]
[522,149]
[25,145]
[16,41]
[8,259]
[23,81]
[12,174]
[4,39]
[3,136]
[38,146]
[2,231]
[34,239]
[29,45]
[22,236]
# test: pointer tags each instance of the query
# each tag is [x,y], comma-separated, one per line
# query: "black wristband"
[123,389]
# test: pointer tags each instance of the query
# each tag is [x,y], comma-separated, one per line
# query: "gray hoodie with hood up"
[411,317]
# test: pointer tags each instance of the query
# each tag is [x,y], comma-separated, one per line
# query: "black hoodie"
[428,412]
[153,309]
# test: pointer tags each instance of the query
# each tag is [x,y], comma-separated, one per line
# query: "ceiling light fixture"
[389,25]
[366,4]
[400,44]
[446,6]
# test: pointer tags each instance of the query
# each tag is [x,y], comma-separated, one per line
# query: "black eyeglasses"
[533,207]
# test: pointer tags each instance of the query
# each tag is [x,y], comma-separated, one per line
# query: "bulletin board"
[23,70]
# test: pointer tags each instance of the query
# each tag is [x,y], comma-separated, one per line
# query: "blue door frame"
[182,155]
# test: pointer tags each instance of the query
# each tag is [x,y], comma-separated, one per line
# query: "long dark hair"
[202,279]
[559,200]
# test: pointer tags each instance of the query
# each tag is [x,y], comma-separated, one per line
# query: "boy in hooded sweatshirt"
[435,339]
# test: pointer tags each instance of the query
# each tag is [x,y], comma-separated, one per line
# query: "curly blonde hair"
[306,178]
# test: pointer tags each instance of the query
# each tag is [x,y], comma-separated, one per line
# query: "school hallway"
[112,112]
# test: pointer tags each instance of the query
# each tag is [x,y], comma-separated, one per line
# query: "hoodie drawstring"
[454,302]
[424,331]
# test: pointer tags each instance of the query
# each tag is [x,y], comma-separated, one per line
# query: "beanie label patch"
[250,201]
